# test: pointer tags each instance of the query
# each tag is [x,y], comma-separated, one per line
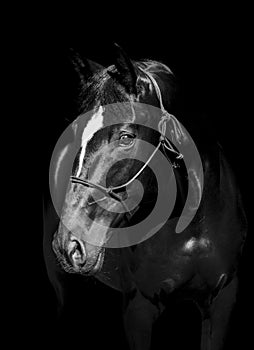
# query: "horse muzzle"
[76,252]
[82,259]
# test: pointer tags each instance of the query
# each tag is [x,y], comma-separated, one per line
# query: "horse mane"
[101,87]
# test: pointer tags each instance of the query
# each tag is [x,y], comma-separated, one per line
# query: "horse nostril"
[77,253]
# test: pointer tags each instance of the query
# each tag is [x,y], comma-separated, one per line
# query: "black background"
[207,51]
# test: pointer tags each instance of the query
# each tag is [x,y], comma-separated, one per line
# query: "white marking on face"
[94,124]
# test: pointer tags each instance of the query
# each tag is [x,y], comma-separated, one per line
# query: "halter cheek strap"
[162,125]
[166,117]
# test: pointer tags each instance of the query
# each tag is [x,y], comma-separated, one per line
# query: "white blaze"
[94,124]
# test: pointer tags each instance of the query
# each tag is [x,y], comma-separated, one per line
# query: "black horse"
[200,262]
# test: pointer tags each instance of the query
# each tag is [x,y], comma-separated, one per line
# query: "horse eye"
[126,140]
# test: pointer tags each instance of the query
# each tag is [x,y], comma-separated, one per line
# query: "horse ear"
[125,71]
[84,67]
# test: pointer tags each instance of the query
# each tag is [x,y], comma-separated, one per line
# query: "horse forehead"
[120,112]
[106,115]
[94,124]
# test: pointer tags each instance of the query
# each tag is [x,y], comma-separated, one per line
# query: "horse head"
[115,109]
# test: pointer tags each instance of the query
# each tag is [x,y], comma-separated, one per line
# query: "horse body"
[199,263]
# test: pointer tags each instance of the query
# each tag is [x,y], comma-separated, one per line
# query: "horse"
[122,105]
